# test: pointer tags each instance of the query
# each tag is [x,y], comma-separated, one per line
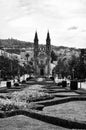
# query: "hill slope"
[13,43]
[15,46]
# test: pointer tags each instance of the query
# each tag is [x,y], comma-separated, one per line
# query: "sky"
[65,20]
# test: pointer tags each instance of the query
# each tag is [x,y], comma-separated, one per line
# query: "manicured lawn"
[75,110]
[26,123]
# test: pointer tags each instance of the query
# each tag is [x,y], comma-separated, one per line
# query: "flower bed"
[9,105]
[21,99]
[29,95]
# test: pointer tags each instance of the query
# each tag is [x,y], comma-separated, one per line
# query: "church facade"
[42,57]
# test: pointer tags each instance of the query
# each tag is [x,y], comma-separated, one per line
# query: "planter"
[64,84]
[8,84]
[74,85]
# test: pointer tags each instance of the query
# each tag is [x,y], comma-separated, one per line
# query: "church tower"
[48,52]
[42,57]
[35,51]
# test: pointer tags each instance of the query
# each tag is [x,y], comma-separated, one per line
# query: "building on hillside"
[24,53]
[42,57]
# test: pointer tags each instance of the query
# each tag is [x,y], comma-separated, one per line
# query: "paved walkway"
[81,86]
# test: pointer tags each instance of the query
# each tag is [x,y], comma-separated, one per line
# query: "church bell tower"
[35,52]
[42,57]
[48,52]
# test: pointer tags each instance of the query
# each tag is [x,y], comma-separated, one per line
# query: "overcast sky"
[65,19]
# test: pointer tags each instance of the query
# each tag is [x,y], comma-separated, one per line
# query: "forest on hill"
[14,43]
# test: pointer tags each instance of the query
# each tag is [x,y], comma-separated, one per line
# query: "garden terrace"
[30,98]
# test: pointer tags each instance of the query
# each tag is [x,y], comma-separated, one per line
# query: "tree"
[53,56]
[81,66]
[27,56]
[77,67]
[9,67]
[61,68]
[73,65]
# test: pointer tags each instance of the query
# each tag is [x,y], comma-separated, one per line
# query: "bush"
[9,105]
[16,84]
[23,81]
[27,79]
[64,84]
[52,78]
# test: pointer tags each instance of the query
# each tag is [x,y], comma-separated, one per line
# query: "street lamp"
[18,73]
[73,72]
[0,76]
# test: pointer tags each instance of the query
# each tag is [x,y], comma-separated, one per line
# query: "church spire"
[48,37]
[48,52]
[36,37]
[36,46]
[48,44]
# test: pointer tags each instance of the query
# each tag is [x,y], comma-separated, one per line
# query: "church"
[42,57]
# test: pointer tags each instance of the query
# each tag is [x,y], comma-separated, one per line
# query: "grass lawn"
[75,110]
[26,123]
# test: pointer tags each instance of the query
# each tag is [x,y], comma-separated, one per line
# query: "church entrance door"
[42,72]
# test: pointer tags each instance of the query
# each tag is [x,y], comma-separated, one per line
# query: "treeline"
[9,68]
[73,66]
[14,43]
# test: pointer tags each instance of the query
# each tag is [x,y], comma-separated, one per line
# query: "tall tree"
[27,56]
[53,56]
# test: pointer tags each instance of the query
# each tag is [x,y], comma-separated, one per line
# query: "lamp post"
[73,73]
[0,77]
[18,73]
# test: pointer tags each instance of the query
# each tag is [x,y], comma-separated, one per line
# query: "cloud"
[83,30]
[20,19]
[73,28]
